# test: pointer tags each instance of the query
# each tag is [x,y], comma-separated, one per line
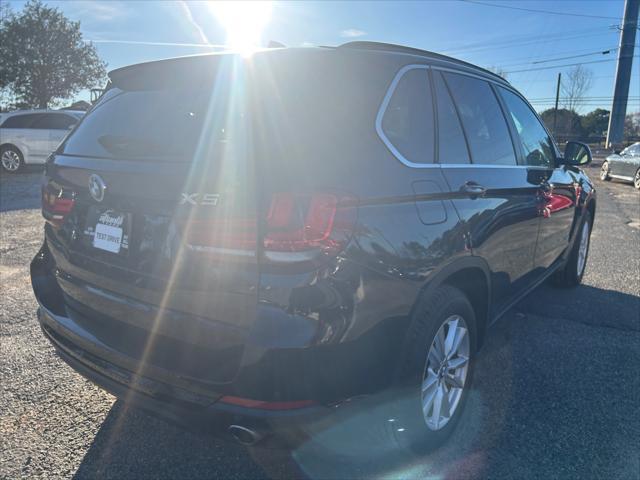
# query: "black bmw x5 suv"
[255,240]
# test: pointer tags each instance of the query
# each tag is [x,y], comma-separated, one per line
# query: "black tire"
[604,171]
[636,179]
[17,157]
[409,427]
[570,275]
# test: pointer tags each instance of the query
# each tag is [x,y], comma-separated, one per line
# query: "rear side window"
[407,123]
[484,124]
[536,144]
[452,146]
[21,121]
[54,121]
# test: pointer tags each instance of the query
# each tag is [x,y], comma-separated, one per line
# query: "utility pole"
[623,73]
[555,110]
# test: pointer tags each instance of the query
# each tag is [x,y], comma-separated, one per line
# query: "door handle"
[473,189]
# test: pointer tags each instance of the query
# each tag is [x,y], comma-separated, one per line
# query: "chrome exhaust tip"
[244,435]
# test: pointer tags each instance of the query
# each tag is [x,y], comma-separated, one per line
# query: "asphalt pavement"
[556,392]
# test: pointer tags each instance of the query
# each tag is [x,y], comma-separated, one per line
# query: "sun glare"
[244,22]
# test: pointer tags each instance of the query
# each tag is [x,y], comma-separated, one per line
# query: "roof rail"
[391,47]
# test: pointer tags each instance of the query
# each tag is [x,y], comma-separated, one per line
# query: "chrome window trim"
[535,114]
[469,74]
[394,151]
[383,109]
[485,165]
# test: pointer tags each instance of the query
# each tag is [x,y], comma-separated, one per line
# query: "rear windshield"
[163,123]
[180,111]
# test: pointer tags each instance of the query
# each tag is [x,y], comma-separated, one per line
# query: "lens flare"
[243,22]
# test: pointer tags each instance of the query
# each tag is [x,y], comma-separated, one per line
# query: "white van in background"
[29,136]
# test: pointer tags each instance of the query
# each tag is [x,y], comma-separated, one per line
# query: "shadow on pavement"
[554,395]
[133,444]
[585,304]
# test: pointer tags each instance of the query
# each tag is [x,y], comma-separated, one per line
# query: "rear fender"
[443,275]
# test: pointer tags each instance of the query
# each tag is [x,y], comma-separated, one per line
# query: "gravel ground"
[556,392]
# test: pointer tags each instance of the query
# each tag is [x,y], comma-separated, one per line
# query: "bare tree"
[632,126]
[575,85]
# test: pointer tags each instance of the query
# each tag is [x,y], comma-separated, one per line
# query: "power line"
[586,100]
[636,97]
[548,12]
[603,52]
[557,59]
[546,80]
[535,38]
[520,44]
[564,65]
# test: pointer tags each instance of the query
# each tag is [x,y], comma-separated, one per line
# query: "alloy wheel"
[583,248]
[10,160]
[604,171]
[445,372]
[636,180]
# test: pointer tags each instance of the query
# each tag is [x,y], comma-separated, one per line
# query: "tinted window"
[482,119]
[408,119]
[54,121]
[144,123]
[21,121]
[536,144]
[452,146]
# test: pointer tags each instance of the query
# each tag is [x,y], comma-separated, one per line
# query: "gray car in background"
[623,166]
[29,136]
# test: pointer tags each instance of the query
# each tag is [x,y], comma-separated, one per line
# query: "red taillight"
[56,205]
[293,223]
[262,405]
[298,223]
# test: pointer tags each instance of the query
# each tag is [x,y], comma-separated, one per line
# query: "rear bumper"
[279,363]
[167,400]
[168,393]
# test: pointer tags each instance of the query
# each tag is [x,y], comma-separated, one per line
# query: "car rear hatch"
[151,211]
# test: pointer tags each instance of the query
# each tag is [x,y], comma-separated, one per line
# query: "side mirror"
[577,153]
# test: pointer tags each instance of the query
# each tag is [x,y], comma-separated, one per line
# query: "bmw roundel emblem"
[96,187]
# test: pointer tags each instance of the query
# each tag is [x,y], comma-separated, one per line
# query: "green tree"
[595,123]
[44,58]
[567,124]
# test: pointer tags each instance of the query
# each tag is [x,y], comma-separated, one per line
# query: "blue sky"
[511,38]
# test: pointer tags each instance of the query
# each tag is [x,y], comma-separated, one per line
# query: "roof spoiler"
[391,47]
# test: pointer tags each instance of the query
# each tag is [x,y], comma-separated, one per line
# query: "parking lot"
[556,392]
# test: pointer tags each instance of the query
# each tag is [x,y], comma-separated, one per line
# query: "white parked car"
[29,136]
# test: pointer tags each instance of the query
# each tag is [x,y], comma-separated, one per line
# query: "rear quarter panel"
[362,299]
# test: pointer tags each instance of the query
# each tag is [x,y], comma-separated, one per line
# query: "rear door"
[18,129]
[162,236]
[494,196]
[53,126]
[559,185]
[630,161]
[37,136]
